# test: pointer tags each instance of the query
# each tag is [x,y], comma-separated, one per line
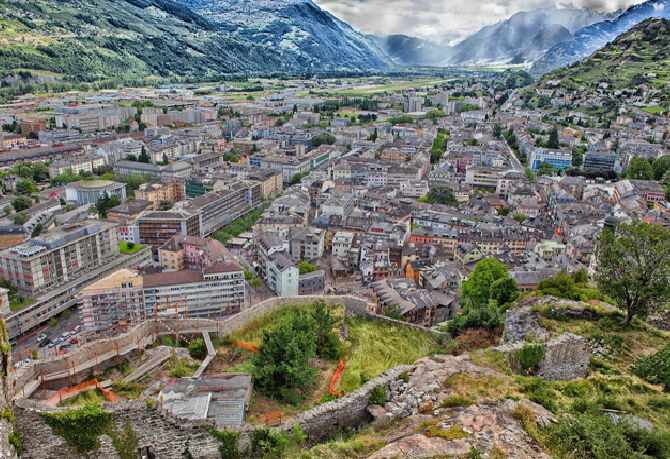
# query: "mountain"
[502,42]
[587,40]
[547,36]
[90,40]
[625,62]
[411,51]
[296,29]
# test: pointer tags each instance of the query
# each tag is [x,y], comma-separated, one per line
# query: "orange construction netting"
[244,345]
[336,376]
[64,394]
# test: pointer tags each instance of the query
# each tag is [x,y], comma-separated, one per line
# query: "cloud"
[442,21]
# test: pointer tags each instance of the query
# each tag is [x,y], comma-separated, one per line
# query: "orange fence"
[64,394]
[244,345]
[336,376]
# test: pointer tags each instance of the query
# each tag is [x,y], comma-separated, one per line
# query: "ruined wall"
[381,318]
[566,357]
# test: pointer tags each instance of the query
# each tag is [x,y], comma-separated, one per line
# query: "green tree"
[497,131]
[197,348]
[281,368]
[640,169]
[442,194]
[504,211]
[322,139]
[530,175]
[7,209]
[305,267]
[634,268]
[144,157]
[20,203]
[25,187]
[520,217]
[545,168]
[248,275]
[504,290]
[166,160]
[553,143]
[21,218]
[125,443]
[328,344]
[40,172]
[256,283]
[478,286]
[660,166]
[37,230]
[26,172]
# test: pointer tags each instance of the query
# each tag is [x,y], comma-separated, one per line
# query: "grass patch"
[374,347]
[130,390]
[85,397]
[123,247]
[654,110]
[15,304]
[455,401]
[452,433]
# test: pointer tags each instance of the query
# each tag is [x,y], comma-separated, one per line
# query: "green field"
[654,110]
[123,246]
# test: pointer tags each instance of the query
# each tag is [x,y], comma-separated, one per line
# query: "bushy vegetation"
[239,226]
[80,428]
[197,348]
[655,368]
[474,318]
[573,286]
[595,435]
[378,396]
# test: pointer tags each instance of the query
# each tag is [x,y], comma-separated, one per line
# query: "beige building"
[271,181]
[115,301]
[165,190]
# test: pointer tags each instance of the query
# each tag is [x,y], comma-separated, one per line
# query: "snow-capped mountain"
[297,29]
[587,40]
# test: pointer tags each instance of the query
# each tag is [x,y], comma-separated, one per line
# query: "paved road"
[62,327]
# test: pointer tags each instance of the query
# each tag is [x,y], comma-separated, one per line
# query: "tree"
[322,139]
[520,217]
[143,157]
[26,172]
[53,322]
[40,172]
[125,443]
[197,348]
[20,203]
[305,267]
[256,283]
[166,160]
[530,175]
[640,169]
[21,218]
[442,194]
[634,268]
[497,131]
[298,177]
[504,211]
[7,209]
[37,230]
[25,187]
[281,366]
[328,344]
[106,202]
[552,143]
[660,166]
[504,290]
[248,275]
[478,286]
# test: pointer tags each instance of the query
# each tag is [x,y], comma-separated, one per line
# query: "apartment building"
[58,256]
[165,190]
[215,292]
[560,159]
[156,228]
[84,163]
[116,300]
[189,252]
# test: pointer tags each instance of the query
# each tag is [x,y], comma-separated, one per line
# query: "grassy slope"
[641,50]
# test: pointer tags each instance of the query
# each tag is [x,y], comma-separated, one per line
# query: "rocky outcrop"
[489,427]
[523,323]
[423,387]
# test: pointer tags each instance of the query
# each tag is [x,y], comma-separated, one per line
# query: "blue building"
[560,159]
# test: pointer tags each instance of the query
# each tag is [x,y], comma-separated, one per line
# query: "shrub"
[228,440]
[198,349]
[150,403]
[15,440]
[130,245]
[266,443]
[593,435]
[80,428]
[474,318]
[528,357]
[527,418]
[378,396]
[655,368]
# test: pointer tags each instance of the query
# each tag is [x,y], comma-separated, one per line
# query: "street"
[30,342]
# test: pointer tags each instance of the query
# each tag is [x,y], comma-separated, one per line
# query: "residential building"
[84,163]
[190,252]
[214,292]
[312,283]
[172,190]
[32,125]
[156,228]
[271,182]
[342,243]
[64,253]
[283,275]
[116,300]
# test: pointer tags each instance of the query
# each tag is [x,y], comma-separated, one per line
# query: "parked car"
[77,328]
[45,342]
[52,344]
[66,335]
[73,341]
[74,332]
[41,337]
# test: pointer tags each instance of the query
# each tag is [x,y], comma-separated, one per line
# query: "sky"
[442,21]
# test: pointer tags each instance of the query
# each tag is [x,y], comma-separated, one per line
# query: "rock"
[566,357]
[521,323]
[632,421]
[543,417]
[378,414]
[487,426]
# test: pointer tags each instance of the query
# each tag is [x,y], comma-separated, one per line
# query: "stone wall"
[566,357]
[521,323]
